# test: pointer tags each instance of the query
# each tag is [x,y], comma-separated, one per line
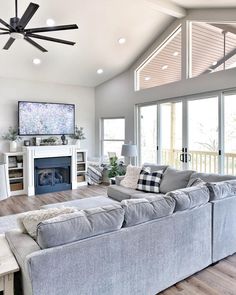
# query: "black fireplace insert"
[52,174]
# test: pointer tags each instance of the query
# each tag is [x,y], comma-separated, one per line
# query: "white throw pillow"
[29,221]
[131,177]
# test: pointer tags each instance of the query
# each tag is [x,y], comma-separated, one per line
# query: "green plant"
[79,133]
[115,168]
[11,135]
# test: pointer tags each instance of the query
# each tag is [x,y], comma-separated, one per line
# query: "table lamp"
[129,151]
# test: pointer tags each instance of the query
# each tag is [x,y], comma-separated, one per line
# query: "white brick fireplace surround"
[36,152]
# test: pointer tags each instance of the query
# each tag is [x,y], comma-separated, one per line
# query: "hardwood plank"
[18,204]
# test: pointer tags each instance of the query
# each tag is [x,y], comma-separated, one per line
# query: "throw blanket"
[94,174]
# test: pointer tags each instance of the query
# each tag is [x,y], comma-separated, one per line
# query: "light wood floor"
[219,279]
[24,203]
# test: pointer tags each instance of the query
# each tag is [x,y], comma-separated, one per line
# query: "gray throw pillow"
[173,179]
[221,190]
[190,197]
[83,224]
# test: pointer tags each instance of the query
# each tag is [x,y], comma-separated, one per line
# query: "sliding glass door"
[148,134]
[197,133]
[230,133]
[170,134]
[160,134]
[203,134]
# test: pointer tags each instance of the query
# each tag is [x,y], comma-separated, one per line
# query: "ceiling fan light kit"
[17,29]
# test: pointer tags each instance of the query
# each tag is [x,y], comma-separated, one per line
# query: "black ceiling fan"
[17,29]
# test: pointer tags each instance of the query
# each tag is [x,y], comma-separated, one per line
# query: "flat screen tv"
[39,118]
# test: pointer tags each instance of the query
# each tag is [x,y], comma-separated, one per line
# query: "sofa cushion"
[221,190]
[195,182]
[120,193]
[131,177]
[211,177]
[80,225]
[29,221]
[173,179]
[149,181]
[142,210]
[190,197]
[155,167]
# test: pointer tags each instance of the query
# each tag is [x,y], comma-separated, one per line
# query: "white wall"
[13,90]
[117,97]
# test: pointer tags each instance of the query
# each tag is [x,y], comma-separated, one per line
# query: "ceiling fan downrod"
[16,8]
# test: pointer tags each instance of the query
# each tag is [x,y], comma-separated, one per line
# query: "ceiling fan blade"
[30,11]
[9,43]
[52,29]
[3,29]
[5,33]
[6,25]
[51,39]
[35,44]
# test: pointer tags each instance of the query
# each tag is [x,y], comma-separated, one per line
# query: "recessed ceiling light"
[99,71]
[214,63]
[50,22]
[122,40]
[175,53]
[147,78]
[36,61]
[164,67]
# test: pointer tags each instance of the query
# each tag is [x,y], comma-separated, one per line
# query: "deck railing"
[202,161]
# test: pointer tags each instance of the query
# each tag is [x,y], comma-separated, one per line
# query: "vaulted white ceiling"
[101,23]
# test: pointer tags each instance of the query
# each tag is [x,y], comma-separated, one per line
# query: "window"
[163,66]
[113,136]
[213,47]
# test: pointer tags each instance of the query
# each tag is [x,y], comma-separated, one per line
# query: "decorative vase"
[13,146]
[78,143]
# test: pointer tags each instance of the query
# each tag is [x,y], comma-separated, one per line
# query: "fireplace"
[52,174]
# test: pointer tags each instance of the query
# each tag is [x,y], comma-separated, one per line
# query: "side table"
[8,266]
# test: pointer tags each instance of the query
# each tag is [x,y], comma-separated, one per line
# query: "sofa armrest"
[22,245]
[119,179]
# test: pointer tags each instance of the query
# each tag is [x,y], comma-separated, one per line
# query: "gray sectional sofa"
[140,243]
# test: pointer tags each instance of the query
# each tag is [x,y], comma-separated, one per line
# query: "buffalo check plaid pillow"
[149,181]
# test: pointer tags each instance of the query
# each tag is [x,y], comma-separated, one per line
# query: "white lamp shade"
[129,150]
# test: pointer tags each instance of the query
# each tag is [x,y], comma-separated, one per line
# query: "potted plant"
[12,136]
[78,135]
[115,168]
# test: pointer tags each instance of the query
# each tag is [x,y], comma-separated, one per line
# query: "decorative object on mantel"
[64,140]
[78,136]
[26,142]
[12,136]
[49,141]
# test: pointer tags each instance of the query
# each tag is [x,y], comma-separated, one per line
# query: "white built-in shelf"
[15,168]
[83,163]
[15,181]
[15,178]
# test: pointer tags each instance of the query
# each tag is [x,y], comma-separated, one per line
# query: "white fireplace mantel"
[35,152]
